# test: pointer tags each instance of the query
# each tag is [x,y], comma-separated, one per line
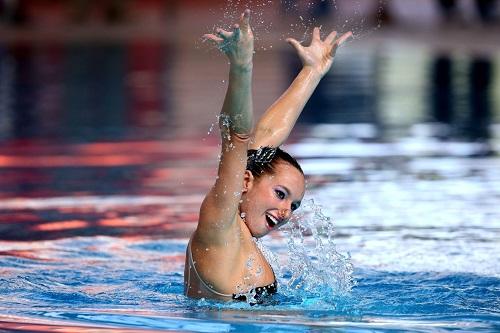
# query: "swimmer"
[258,186]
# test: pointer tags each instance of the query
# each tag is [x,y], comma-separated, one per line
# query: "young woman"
[258,185]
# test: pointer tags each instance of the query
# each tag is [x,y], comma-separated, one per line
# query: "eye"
[295,206]
[280,194]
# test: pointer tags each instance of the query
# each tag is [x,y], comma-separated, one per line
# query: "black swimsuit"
[260,293]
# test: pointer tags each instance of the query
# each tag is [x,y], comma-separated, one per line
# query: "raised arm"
[277,122]
[218,211]
[237,109]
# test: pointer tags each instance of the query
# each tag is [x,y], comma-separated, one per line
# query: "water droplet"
[250,262]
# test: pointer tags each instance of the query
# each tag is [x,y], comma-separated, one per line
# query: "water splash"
[270,256]
[211,129]
[314,266]
[297,19]
[231,11]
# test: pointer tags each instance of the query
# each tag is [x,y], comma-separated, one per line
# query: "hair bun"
[262,155]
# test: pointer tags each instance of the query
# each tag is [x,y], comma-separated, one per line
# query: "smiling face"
[269,201]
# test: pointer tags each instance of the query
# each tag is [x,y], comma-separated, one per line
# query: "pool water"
[100,195]
[422,234]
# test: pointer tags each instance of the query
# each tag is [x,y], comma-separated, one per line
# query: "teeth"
[272,219]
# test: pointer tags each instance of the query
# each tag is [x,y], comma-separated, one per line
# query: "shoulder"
[217,263]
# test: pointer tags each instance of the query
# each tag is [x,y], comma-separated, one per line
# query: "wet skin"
[231,216]
[268,202]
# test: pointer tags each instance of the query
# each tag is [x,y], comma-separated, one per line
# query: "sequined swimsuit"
[195,281]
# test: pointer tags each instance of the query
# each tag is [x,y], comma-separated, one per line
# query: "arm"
[219,209]
[277,122]
[237,112]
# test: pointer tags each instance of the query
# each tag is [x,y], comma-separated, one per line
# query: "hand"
[319,55]
[238,44]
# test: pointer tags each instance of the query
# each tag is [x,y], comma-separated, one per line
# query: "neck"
[245,232]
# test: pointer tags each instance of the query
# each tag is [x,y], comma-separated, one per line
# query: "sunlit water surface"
[422,234]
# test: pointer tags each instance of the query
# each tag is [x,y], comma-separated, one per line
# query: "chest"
[235,268]
[254,270]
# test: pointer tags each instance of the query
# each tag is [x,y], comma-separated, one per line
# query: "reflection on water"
[348,94]
[464,104]
[101,180]
[83,90]
[94,95]
[111,90]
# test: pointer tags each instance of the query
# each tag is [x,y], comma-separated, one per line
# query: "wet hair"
[265,159]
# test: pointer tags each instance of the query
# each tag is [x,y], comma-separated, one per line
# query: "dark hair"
[265,159]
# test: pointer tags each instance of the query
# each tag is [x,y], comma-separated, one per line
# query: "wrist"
[313,73]
[241,68]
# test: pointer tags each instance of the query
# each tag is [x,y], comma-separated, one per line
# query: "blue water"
[138,284]
[419,265]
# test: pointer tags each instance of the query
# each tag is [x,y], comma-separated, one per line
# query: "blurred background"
[120,97]
[85,70]
[109,142]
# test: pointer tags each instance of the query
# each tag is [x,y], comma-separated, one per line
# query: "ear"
[247,181]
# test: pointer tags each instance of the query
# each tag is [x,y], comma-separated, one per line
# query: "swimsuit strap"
[191,264]
[260,292]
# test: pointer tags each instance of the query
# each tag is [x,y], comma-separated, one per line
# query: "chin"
[263,233]
[259,234]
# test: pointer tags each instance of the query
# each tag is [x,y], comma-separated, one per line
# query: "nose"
[284,214]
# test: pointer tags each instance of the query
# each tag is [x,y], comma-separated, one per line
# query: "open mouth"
[271,221]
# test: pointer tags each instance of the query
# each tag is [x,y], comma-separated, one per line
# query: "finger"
[339,42]
[296,45]
[343,38]
[236,32]
[224,34]
[316,35]
[213,38]
[245,20]
[331,38]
